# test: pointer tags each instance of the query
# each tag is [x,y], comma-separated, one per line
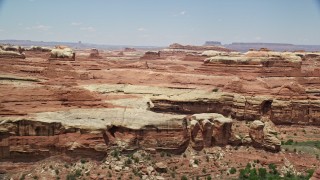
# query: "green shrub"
[71,177]
[215,90]
[115,153]
[162,154]
[78,173]
[23,177]
[252,173]
[310,173]
[173,175]
[289,142]
[204,170]
[136,159]
[232,170]
[128,162]
[262,173]
[184,177]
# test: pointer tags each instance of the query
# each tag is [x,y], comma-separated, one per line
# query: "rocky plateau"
[184,111]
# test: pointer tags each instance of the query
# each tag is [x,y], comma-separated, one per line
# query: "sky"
[161,22]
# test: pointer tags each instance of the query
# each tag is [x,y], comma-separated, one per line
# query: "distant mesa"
[183,52]
[198,48]
[212,43]
[243,47]
[129,49]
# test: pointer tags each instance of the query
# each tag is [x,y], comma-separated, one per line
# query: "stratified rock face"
[207,130]
[242,107]
[71,133]
[63,53]
[264,136]
[90,133]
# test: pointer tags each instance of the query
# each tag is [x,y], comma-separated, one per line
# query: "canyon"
[178,105]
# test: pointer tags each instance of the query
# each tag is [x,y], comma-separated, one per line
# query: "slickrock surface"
[196,111]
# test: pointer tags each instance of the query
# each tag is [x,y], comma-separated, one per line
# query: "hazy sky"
[161,22]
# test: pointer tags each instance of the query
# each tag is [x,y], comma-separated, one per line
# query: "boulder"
[257,125]
[150,169]
[117,168]
[161,167]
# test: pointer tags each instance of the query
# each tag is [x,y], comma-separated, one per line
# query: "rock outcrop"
[151,55]
[241,107]
[13,48]
[94,53]
[260,64]
[207,130]
[72,133]
[264,136]
[39,49]
[63,53]
[11,54]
